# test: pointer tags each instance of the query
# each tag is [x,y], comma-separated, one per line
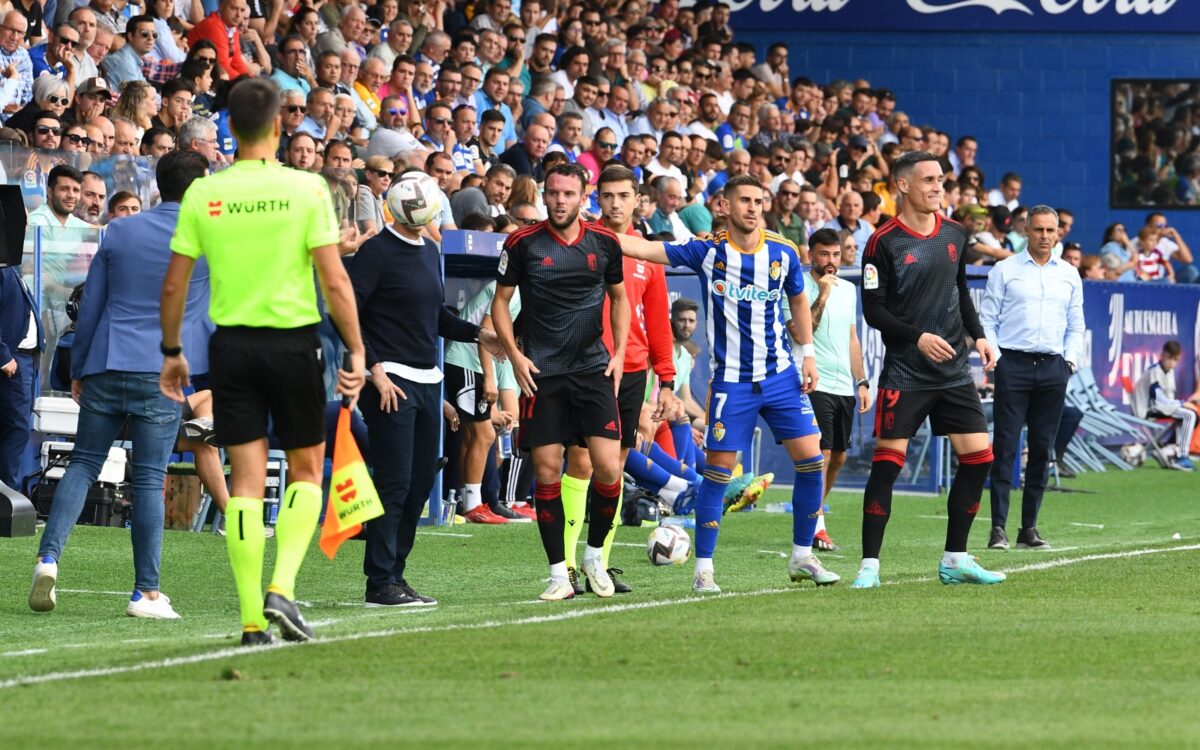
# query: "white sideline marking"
[534,620]
[98,593]
[446,533]
[943,518]
[1087,525]
[26,652]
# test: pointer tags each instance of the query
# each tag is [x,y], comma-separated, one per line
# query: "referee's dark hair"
[741,180]
[253,108]
[824,238]
[908,160]
[617,173]
[176,171]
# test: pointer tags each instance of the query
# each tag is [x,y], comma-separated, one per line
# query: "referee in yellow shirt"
[263,227]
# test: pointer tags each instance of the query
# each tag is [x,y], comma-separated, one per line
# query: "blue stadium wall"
[1037,102]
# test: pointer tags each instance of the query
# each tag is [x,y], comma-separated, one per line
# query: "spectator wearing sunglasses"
[75,139]
[46,131]
[126,63]
[603,150]
[56,56]
[49,95]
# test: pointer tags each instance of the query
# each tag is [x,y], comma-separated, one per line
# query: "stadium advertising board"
[1178,16]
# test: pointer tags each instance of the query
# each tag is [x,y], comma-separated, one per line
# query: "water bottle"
[271,505]
[450,508]
[505,436]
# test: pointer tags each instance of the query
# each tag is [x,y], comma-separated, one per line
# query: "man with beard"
[565,268]
[649,342]
[843,382]
[749,272]
[92,199]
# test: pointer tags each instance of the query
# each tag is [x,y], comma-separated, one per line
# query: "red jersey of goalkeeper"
[650,340]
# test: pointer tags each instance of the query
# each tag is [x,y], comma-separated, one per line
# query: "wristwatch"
[864,383]
[170,351]
[668,384]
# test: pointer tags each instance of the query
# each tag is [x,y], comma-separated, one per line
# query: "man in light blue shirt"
[1032,313]
[842,386]
[292,67]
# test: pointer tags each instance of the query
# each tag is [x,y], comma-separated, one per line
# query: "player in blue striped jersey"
[749,274]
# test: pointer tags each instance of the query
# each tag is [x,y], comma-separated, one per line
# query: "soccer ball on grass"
[668,545]
[415,199]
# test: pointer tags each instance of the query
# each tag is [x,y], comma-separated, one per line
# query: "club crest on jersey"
[503,267]
[591,261]
[776,269]
[953,251]
[718,431]
[719,265]
[747,293]
[870,276]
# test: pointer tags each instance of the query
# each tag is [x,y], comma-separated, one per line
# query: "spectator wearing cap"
[13,52]
[55,57]
[850,210]
[1009,192]
[221,28]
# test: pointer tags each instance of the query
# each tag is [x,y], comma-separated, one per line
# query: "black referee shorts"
[464,389]
[951,411]
[566,408]
[261,372]
[835,418]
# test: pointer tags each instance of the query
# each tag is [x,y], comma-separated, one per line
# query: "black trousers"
[1030,391]
[404,454]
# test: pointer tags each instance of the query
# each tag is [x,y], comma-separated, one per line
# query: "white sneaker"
[598,577]
[703,583]
[558,590]
[141,605]
[45,575]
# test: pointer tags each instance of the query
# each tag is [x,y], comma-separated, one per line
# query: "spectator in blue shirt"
[731,133]
[491,96]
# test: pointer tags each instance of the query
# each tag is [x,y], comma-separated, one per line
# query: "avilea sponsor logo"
[748,293]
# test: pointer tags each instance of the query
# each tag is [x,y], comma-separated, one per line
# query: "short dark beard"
[570,220]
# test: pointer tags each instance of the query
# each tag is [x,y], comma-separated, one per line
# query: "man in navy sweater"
[398,284]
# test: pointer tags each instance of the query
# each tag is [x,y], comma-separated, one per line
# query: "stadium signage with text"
[967,15]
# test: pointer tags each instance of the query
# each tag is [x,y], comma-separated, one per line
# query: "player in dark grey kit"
[915,292]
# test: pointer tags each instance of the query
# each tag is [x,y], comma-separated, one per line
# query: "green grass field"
[1093,645]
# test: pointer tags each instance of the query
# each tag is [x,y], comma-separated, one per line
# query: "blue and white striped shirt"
[746,292]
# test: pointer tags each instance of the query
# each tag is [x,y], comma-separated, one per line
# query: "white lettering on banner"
[932,7]
[1151,323]
[1116,315]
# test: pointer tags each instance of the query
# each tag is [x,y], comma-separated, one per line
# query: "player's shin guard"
[602,509]
[806,499]
[574,504]
[298,514]
[550,520]
[877,499]
[606,550]
[672,465]
[245,540]
[963,502]
[709,505]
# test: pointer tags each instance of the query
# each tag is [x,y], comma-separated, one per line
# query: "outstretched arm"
[642,249]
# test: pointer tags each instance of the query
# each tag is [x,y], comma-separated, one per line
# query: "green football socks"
[245,541]
[574,501]
[293,533]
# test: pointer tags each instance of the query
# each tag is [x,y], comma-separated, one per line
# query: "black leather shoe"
[1030,539]
[998,540]
[257,638]
[286,615]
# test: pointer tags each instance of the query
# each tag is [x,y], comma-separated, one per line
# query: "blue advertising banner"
[1178,16]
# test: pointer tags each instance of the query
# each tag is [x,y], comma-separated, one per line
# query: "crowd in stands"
[1156,159]
[486,96]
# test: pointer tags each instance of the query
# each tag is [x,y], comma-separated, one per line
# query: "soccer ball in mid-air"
[668,545]
[415,199]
